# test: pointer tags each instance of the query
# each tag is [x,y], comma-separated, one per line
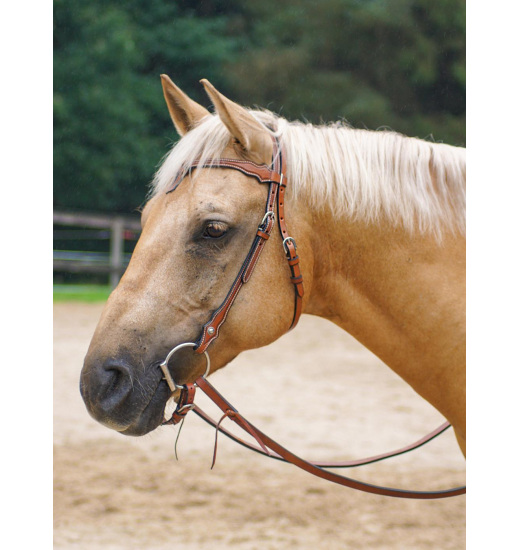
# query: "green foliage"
[397,63]
[111,128]
[392,63]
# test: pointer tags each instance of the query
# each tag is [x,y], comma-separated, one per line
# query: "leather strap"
[314,468]
[184,405]
[274,176]
[323,464]
[289,245]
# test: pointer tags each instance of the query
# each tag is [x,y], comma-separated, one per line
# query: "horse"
[379,222]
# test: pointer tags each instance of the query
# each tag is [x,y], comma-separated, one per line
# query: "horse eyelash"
[205,235]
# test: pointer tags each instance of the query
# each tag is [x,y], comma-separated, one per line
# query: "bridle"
[274,177]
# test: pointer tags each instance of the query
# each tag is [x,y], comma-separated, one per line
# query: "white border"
[26,50]
[493,274]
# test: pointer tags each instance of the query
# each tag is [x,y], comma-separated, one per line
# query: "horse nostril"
[115,385]
[115,379]
[105,388]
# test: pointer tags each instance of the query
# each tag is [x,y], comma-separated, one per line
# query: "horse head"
[379,219]
[194,240]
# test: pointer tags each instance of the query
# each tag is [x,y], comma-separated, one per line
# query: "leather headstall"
[274,176]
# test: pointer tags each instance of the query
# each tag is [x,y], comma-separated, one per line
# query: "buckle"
[267,215]
[286,248]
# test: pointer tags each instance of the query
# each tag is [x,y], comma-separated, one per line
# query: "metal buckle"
[285,247]
[189,406]
[164,366]
[267,215]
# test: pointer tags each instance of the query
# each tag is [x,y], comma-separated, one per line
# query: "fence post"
[116,250]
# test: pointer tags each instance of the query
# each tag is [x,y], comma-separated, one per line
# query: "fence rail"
[116,229]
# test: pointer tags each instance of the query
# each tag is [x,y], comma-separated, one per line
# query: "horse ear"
[184,111]
[251,135]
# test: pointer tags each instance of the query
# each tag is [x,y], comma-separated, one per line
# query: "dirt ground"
[117,493]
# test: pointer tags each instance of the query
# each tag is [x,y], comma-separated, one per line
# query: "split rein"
[274,177]
[270,448]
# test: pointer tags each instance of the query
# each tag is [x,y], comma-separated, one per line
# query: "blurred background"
[396,64]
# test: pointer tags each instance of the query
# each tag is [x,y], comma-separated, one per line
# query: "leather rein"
[273,176]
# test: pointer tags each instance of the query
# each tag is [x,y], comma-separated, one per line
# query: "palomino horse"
[378,219]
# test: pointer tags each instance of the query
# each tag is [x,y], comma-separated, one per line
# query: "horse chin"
[150,418]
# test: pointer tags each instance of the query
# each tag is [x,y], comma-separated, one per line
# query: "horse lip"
[151,415]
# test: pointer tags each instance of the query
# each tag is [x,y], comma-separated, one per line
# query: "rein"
[270,448]
[273,176]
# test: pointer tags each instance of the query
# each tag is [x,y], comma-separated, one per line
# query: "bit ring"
[164,366]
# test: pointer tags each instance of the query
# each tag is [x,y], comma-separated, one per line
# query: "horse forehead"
[221,189]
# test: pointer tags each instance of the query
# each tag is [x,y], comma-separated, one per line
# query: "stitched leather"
[274,176]
[277,185]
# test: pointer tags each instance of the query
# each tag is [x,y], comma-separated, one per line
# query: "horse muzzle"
[120,398]
[129,399]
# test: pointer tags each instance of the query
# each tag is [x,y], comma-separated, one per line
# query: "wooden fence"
[116,229]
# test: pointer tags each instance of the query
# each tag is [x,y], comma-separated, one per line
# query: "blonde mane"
[360,174]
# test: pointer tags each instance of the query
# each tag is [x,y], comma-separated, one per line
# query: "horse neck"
[401,296]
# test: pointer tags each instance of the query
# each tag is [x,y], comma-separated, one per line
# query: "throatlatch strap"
[289,244]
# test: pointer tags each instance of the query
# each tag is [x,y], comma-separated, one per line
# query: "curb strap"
[275,177]
[316,469]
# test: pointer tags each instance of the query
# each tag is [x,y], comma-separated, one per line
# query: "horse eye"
[215,230]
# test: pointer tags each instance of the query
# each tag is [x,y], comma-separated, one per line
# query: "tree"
[393,63]
[396,63]
[111,128]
